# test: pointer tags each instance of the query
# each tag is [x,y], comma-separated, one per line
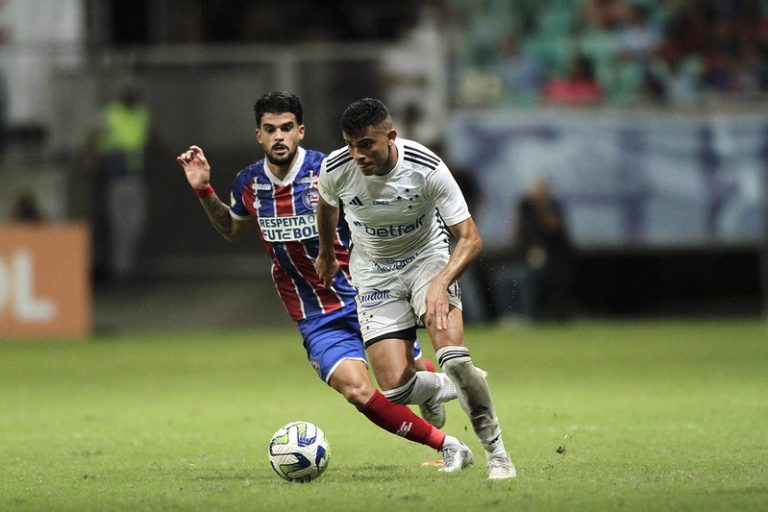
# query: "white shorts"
[392,295]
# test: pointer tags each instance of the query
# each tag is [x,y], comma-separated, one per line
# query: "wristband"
[205,192]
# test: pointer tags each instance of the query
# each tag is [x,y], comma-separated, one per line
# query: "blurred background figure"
[476,295]
[5,37]
[413,69]
[119,148]
[521,73]
[25,210]
[578,87]
[542,244]
[659,134]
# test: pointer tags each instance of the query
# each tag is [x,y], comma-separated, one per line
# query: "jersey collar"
[300,154]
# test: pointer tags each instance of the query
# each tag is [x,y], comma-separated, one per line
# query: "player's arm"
[198,172]
[468,247]
[326,263]
[453,209]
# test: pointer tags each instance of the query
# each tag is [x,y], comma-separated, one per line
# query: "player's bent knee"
[357,393]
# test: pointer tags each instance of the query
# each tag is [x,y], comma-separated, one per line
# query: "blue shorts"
[329,339]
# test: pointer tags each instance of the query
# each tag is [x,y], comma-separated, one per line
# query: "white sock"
[474,396]
[423,387]
[497,450]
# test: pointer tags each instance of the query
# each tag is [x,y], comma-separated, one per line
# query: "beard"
[281,160]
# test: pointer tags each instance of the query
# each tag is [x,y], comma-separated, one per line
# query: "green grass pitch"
[597,416]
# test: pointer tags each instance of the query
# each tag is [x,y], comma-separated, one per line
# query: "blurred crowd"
[516,52]
[619,52]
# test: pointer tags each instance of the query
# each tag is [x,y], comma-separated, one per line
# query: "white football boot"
[456,455]
[500,468]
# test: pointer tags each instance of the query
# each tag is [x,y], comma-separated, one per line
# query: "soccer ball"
[299,452]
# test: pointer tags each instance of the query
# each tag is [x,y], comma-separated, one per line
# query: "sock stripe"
[400,395]
[449,353]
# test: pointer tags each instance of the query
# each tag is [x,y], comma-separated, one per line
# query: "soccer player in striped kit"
[400,202]
[279,194]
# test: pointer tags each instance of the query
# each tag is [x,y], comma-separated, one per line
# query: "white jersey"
[398,215]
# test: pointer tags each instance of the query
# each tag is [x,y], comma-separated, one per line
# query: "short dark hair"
[363,113]
[277,102]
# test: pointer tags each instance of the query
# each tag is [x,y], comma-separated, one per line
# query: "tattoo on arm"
[218,214]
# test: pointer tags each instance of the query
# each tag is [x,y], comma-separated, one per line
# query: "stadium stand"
[643,51]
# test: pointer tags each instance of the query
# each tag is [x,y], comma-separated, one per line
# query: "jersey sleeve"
[237,209]
[449,199]
[327,186]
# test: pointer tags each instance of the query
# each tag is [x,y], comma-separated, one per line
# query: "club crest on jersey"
[310,198]
[311,180]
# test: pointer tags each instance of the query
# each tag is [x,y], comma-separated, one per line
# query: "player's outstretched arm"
[326,264]
[198,172]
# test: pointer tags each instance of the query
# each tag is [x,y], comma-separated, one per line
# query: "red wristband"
[205,192]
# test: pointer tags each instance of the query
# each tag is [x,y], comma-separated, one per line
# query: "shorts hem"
[336,365]
[408,333]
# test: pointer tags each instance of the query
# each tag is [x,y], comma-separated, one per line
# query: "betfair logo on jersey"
[287,229]
[372,298]
[391,230]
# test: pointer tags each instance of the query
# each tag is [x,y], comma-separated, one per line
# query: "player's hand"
[195,166]
[437,305]
[326,269]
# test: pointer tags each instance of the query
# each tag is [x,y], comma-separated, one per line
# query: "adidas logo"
[356,201]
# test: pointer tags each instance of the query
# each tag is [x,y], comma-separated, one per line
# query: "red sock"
[400,420]
[429,364]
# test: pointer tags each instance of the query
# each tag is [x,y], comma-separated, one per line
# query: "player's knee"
[357,393]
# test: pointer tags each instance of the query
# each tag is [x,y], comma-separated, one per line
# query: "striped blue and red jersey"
[284,214]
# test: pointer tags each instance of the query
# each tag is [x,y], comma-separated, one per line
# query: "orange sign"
[44,281]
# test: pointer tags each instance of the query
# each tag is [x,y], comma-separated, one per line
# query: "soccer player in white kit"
[279,193]
[401,204]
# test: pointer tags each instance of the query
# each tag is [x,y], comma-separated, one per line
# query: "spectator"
[541,240]
[5,36]
[25,210]
[520,72]
[120,149]
[412,69]
[578,88]
[674,78]
[638,38]
[476,285]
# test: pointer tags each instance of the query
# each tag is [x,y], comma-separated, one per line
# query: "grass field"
[597,416]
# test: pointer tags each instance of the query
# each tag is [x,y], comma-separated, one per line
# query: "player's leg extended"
[336,352]
[393,366]
[472,388]
[388,328]
[391,360]
[350,378]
